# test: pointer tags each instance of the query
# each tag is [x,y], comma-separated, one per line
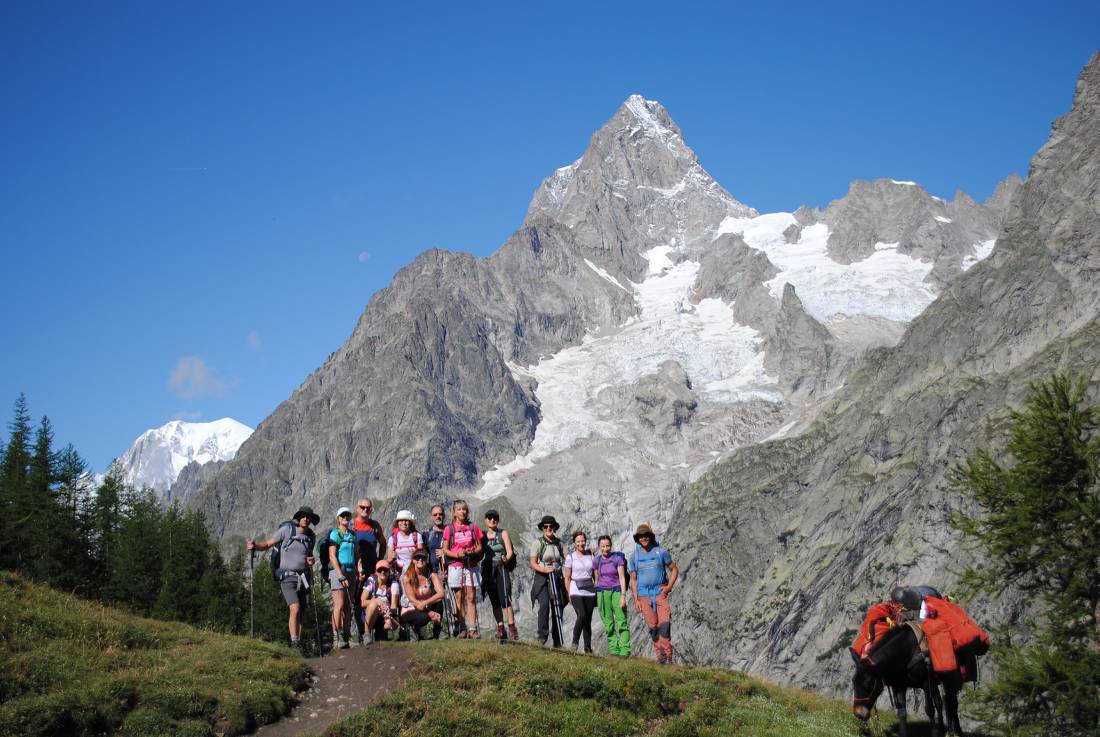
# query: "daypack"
[542,548]
[327,543]
[616,559]
[277,552]
[509,565]
[634,564]
[449,535]
[417,539]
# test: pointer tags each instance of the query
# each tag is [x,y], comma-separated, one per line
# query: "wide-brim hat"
[548,520]
[307,512]
[405,514]
[644,529]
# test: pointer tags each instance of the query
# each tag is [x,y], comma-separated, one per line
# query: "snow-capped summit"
[157,457]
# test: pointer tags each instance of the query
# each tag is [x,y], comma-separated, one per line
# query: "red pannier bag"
[875,620]
[953,637]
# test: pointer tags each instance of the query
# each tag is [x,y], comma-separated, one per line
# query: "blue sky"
[197,201]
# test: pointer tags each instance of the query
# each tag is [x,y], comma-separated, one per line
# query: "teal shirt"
[345,547]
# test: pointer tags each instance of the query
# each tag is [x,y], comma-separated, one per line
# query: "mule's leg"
[951,707]
[930,691]
[898,695]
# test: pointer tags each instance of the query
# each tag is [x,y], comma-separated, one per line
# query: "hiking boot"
[413,634]
[513,633]
[500,632]
[342,641]
[296,645]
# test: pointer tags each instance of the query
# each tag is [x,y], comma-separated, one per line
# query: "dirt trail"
[344,682]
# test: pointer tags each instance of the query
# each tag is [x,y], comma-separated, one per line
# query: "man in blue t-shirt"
[652,576]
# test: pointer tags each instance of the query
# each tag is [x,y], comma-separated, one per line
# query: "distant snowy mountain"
[157,457]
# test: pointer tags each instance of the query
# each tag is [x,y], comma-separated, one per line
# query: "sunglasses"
[362,507]
[547,527]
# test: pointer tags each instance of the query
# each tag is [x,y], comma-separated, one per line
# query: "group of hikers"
[410,584]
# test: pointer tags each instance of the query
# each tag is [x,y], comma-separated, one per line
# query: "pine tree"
[16,513]
[185,546]
[134,573]
[46,556]
[106,521]
[1040,534]
[74,530]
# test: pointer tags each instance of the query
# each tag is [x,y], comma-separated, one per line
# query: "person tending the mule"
[652,576]
[294,551]
[546,556]
[609,569]
[462,541]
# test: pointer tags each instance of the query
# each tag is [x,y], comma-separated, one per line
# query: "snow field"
[720,356]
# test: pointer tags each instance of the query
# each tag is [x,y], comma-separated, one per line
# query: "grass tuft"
[469,687]
[72,667]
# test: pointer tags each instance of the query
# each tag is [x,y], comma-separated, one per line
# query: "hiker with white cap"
[343,576]
[404,541]
[652,576]
[294,555]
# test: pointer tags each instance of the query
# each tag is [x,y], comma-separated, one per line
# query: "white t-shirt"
[580,574]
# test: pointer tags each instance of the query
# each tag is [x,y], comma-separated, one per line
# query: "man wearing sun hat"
[295,544]
[652,576]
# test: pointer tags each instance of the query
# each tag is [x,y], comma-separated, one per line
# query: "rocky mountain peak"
[638,185]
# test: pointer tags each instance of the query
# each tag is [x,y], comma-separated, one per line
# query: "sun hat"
[404,514]
[421,554]
[382,564]
[307,512]
[548,520]
[644,529]
[492,513]
[342,511]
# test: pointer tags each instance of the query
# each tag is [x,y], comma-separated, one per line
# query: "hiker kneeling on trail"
[421,597]
[381,595]
[652,576]
[291,561]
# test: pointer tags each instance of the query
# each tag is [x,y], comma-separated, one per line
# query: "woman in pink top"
[462,548]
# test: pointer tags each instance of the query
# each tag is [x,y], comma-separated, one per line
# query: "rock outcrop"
[783,544]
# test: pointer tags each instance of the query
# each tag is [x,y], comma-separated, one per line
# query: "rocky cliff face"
[640,326]
[784,543]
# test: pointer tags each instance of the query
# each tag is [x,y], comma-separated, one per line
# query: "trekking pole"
[555,605]
[251,593]
[316,620]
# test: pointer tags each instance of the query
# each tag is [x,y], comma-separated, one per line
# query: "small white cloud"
[254,342]
[188,415]
[192,378]
[364,257]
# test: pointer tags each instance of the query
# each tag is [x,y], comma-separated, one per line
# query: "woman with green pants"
[609,570]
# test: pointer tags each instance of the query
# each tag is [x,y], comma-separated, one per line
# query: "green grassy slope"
[72,667]
[465,688]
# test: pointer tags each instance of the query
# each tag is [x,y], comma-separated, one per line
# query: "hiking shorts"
[336,585]
[294,591]
[459,577]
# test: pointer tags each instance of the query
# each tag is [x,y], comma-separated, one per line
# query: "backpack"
[277,552]
[327,543]
[542,548]
[634,564]
[473,559]
[487,560]
[617,558]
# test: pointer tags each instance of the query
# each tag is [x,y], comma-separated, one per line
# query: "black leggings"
[583,606]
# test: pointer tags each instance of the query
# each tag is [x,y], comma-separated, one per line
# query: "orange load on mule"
[954,639]
[880,618]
